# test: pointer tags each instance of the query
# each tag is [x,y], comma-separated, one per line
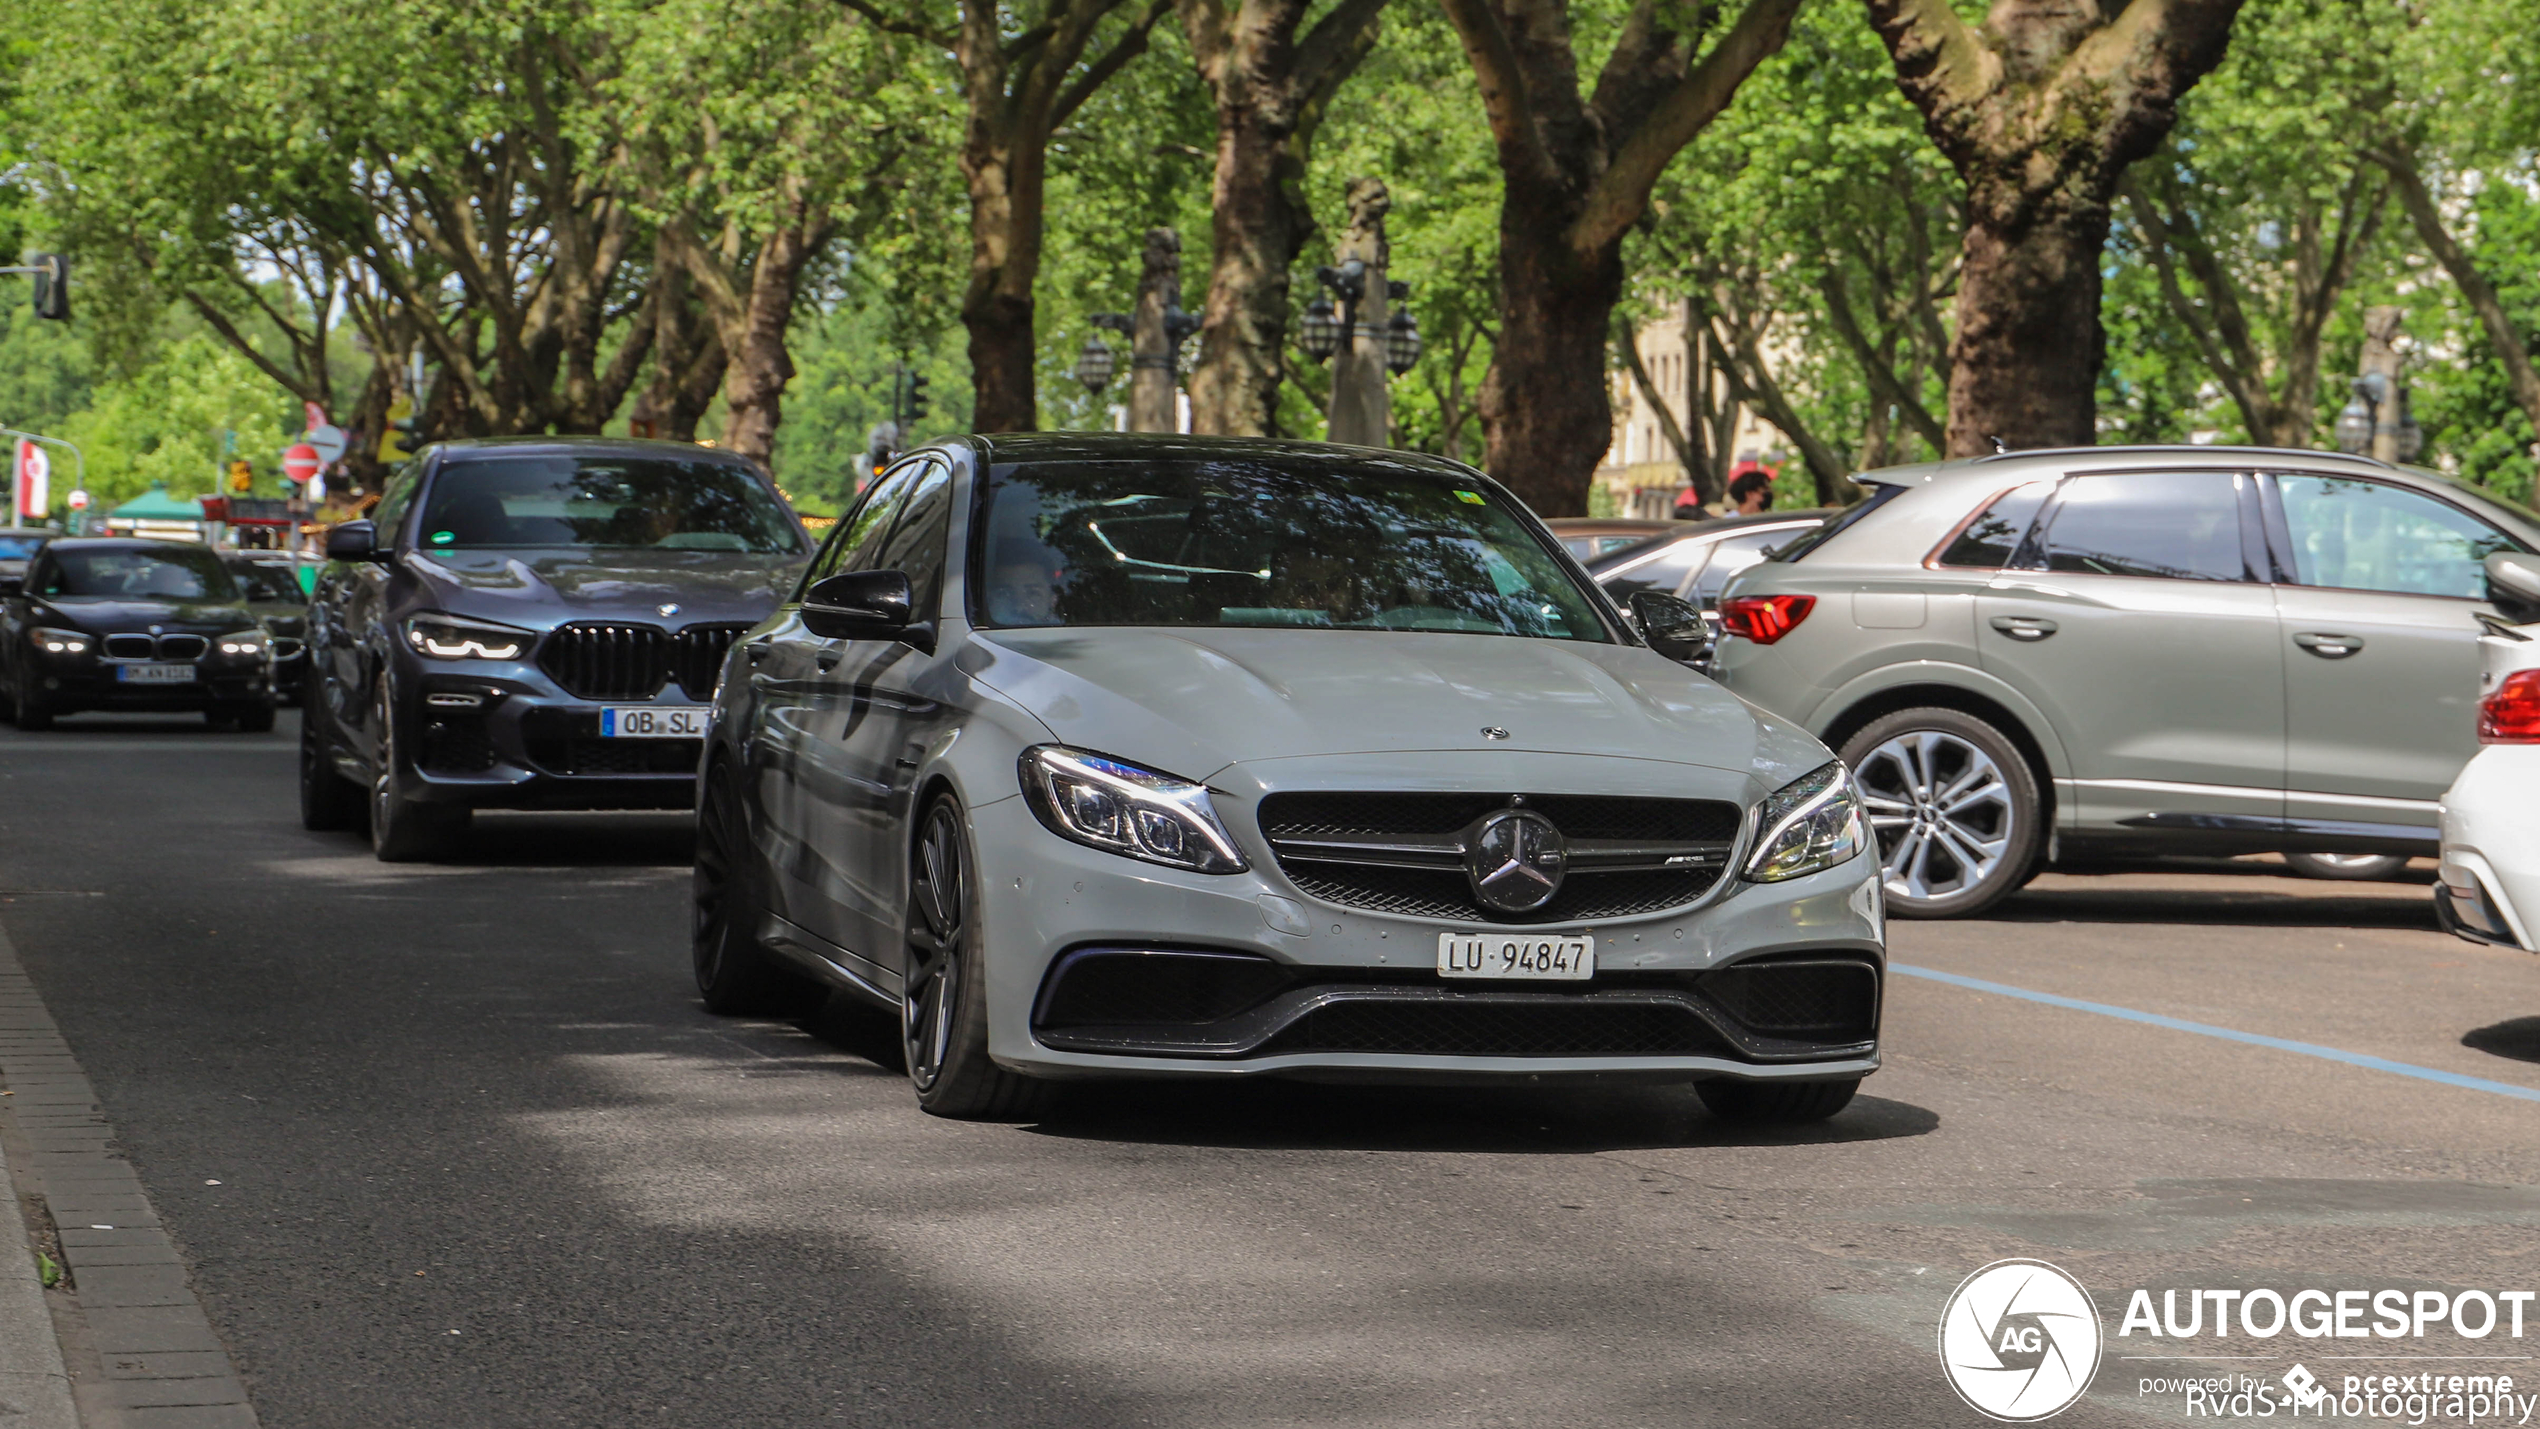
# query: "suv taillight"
[1764,618]
[2511,715]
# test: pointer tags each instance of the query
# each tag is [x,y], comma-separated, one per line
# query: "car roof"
[1153,446]
[1713,528]
[2105,458]
[124,543]
[1598,525]
[46,532]
[571,446]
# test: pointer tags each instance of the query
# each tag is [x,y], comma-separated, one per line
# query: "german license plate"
[170,674]
[653,721]
[1553,957]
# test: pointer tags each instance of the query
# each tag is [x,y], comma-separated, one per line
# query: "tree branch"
[1885,386]
[1621,194]
[914,29]
[2511,348]
[1129,46]
[1627,342]
[1505,101]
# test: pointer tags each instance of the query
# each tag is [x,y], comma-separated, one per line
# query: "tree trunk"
[758,362]
[1577,172]
[2041,109]
[2024,368]
[1005,261]
[1272,91]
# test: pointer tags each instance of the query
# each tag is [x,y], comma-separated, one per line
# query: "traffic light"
[242,478]
[916,397]
[53,287]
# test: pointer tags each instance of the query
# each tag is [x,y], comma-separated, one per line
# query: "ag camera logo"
[2019,1341]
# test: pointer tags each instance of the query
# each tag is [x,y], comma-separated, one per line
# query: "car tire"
[736,975]
[328,800]
[1948,847]
[1775,1103]
[944,1004]
[32,714]
[403,830]
[2348,867]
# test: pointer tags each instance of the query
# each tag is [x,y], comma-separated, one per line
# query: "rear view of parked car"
[2065,656]
[1695,560]
[532,623]
[2488,886]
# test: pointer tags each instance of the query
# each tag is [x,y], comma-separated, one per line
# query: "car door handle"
[2024,627]
[828,660]
[2327,646]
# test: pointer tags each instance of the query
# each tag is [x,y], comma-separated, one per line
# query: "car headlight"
[1119,808]
[62,642]
[1813,823]
[452,637]
[241,642]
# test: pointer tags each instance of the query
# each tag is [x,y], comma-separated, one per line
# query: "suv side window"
[2363,535]
[399,494]
[2182,525]
[1993,538]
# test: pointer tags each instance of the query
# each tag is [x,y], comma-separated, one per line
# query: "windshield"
[515,502]
[19,548]
[1248,543]
[170,573]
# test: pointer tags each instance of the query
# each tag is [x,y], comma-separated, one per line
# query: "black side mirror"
[866,605]
[1672,626]
[2513,586]
[353,541]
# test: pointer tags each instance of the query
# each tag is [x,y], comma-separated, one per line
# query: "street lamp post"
[2376,421]
[1361,410]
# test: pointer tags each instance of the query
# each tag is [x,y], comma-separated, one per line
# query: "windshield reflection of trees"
[1257,548]
[694,505]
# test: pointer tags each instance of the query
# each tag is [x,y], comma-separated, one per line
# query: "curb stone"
[123,1342]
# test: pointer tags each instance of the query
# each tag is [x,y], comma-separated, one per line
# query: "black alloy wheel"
[403,830]
[1775,1103]
[328,800]
[736,976]
[943,999]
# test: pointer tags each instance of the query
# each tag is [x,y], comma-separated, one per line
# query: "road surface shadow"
[2518,1039]
[1269,1114]
[503,839]
[2117,901]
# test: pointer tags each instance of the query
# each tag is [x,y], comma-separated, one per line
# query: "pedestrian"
[1751,492]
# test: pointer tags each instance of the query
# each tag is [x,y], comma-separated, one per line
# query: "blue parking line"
[2180,1024]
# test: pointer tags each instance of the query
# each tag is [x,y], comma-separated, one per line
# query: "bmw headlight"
[452,637]
[1813,823]
[241,642]
[1119,808]
[62,642]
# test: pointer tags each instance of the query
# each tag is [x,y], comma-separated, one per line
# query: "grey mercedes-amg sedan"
[1099,756]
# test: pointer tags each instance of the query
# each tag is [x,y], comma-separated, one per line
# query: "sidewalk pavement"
[141,1353]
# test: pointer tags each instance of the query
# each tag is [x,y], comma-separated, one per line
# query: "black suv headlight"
[1137,813]
[1811,824]
[455,637]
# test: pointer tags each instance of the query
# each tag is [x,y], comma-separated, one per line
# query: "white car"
[2490,878]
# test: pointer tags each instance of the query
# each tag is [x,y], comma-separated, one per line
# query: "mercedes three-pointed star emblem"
[1515,858]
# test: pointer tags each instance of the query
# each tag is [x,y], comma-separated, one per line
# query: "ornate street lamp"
[1095,364]
[1402,342]
[1320,333]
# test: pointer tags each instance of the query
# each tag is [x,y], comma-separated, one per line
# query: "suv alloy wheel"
[1954,806]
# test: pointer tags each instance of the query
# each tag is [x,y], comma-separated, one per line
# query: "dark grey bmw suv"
[532,623]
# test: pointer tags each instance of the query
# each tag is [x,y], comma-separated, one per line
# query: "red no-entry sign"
[301,462]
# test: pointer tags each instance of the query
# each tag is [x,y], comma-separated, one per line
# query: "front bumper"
[501,735]
[1354,995]
[86,682]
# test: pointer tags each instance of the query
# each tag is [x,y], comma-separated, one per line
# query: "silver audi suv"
[1099,756]
[2057,657]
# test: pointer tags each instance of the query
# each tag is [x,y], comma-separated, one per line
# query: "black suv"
[532,623]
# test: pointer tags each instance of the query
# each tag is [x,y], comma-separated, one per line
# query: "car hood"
[1193,701]
[534,586]
[103,615]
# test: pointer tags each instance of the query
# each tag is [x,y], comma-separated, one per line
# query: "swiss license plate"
[653,721]
[155,674]
[1553,957]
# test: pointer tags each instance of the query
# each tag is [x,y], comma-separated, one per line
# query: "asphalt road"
[482,1160]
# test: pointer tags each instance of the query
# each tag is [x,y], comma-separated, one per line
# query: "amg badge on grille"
[1515,858]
